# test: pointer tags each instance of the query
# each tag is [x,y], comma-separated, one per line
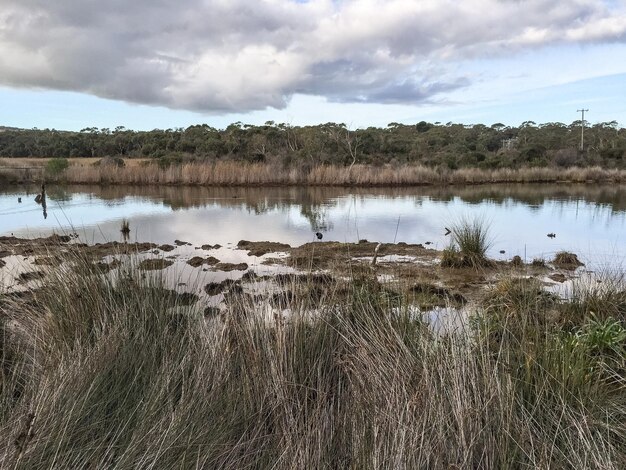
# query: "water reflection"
[588,219]
[41,200]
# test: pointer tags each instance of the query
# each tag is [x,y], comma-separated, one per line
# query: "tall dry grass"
[231,173]
[102,372]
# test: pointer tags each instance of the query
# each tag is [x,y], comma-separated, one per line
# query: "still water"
[589,220]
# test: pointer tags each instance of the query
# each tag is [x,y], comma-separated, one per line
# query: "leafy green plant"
[604,337]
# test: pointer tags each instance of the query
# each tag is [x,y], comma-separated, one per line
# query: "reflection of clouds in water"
[520,217]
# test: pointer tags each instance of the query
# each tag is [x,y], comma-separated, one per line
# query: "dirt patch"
[211,247]
[100,250]
[2,263]
[565,260]
[262,248]
[52,239]
[231,267]
[155,264]
[198,261]
[181,243]
[166,247]
[5,253]
[325,255]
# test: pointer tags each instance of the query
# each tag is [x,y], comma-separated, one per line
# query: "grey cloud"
[236,55]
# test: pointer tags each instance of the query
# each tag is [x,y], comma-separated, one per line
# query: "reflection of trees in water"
[59,194]
[535,195]
[313,201]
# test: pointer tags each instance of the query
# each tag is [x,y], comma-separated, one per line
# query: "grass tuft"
[469,245]
[566,260]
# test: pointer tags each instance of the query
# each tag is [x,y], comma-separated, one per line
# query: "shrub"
[56,166]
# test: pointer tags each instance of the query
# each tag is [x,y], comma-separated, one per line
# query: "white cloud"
[236,55]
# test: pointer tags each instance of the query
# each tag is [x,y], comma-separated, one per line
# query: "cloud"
[237,55]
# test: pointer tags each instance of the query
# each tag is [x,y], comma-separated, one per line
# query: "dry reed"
[231,173]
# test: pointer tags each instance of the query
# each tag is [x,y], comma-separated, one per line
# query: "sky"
[148,64]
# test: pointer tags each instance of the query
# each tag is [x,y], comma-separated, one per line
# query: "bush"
[56,166]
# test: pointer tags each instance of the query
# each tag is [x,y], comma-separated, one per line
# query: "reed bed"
[232,173]
[115,372]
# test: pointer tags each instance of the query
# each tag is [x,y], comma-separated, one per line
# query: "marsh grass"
[236,173]
[470,241]
[116,372]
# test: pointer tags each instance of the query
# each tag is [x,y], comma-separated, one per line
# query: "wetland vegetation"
[337,365]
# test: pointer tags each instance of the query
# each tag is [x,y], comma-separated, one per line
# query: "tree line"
[432,144]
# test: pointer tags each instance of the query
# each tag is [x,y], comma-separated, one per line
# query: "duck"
[552,235]
[319,235]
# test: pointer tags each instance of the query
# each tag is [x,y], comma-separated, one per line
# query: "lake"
[589,220]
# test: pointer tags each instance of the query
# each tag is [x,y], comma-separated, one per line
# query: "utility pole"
[582,128]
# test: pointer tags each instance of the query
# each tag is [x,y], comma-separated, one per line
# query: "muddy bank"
[317,270]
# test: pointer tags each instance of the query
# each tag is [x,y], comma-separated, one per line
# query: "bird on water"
[319,235]
[552,235]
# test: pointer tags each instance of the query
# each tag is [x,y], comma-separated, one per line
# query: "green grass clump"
[469,245]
